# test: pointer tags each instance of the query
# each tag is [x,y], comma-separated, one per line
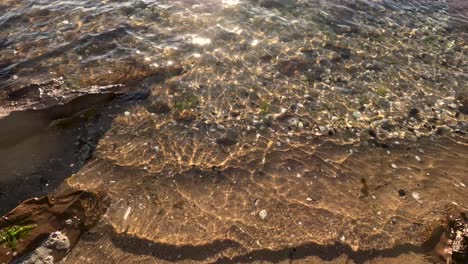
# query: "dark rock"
[364,188]
[229,138]
[266,57]
[375,66]
[387,126]
[384,103]
[443,130]
[413,112]
[272,3]
[159,107]
[426,57]
[293,65]
[372,133]
[235,113]
[32,90]
[226,35]
[402,192]
[345,90]
[464,108]
[345,53]
[325,62]
[140,5]
[4,42]
[311,53]
[353,69]
[314,74]
[43,181]
[85,153]
[463,98]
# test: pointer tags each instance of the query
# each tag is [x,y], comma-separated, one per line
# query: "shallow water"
[243,131]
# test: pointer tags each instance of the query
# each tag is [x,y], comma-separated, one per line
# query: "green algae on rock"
[10,235]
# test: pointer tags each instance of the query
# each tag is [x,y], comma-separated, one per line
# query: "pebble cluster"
[44,253]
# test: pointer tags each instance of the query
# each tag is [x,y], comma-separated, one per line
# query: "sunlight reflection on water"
[201,41]
[230,2]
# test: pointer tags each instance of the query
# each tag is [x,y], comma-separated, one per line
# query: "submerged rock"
[402,193]
[160,106]
[44,253]
[463,98]
[443,130]
[345,53]
[295,65]
[275,3]
[229,138]
[413,112]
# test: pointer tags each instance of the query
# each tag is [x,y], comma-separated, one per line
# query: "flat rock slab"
[70,211]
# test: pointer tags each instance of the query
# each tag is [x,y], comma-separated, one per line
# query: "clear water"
[266,127]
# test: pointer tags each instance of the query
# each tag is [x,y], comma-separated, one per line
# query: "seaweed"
[12,234]
[381,91]
[264,107]
[186,102]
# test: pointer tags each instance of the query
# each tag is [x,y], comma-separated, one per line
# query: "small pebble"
[263,214]
[416,196]
[129,209]
[357,115]
[401,192]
